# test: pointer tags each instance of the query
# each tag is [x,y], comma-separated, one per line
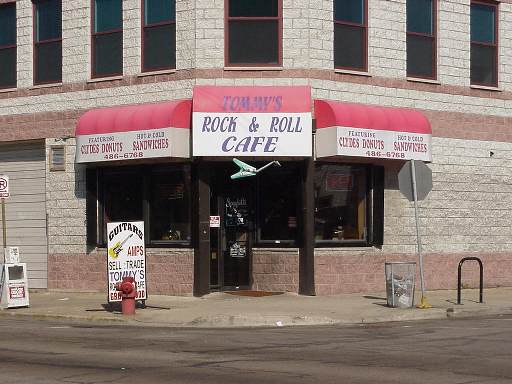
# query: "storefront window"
[170,206]
[122,197]
[157,195]
[341,203]
[278,195]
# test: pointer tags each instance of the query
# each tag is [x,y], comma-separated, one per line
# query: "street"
[441,351]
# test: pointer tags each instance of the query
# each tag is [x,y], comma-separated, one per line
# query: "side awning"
[144,131]
[345,129]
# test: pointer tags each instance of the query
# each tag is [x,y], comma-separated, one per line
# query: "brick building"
[323,223]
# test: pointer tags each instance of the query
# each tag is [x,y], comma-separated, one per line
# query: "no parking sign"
[4,186]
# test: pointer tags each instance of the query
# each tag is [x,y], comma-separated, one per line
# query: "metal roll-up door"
[24,163]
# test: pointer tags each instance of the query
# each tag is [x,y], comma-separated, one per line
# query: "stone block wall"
[65,202]
[275,269]
[357,271]
[24,41]
[308,33]
[169,272]
[454,42]
[468,211]
[387,38]
[76,41]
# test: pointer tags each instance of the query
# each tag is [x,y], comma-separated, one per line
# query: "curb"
[47,316]
[272,321]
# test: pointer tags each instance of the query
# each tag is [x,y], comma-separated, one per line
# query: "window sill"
[161,72]
[342,244]
[279,68]
[50,85]
[265,247]
[109,78]
[421,80]
[5,90]
[350,72]
[486,88]
[345,247]
[275,244]
[152,248]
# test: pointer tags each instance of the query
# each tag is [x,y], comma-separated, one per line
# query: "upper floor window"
[8,45]
[350,34]
[159,35]
[421,38]
[47,41]
[107,38]
[253,32]
[484,44]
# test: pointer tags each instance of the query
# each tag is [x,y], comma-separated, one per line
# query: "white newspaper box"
[14,286]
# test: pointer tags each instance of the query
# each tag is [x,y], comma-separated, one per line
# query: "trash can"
[400,284]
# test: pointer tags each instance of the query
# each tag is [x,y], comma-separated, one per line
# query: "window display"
[341,203]
[158,195]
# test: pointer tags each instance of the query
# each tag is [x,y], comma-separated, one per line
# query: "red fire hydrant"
[129,293]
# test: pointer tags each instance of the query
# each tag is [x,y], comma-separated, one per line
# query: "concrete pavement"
[225,310]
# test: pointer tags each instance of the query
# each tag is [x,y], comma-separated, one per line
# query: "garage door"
[26,208]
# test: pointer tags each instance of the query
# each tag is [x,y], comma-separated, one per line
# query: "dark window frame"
[144,174]
[373,209]
[37,43]
[12,46]
[433,37]
[277,243]
[495,5]
[278,18]
[364,27]
[145,27]
[110,32]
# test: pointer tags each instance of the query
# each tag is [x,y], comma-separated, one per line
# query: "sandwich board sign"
[126,257]
[13,280]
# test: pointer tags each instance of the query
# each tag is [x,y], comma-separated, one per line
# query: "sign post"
[415,182]
[4,194]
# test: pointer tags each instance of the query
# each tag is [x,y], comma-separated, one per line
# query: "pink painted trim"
[215,99]
[333,114]
[175,114]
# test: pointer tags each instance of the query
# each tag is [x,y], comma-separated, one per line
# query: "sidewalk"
[225,310]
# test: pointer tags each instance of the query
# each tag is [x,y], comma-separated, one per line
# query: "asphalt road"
[434,352]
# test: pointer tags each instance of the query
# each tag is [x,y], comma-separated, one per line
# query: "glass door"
[230,240]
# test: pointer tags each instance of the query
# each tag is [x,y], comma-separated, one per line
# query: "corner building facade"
[134,110]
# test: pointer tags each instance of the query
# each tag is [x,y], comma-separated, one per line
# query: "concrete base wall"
[275,270]
[335,274]
[169,272]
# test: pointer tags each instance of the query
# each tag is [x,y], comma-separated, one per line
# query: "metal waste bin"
[400,284]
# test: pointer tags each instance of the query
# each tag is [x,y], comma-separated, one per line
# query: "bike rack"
[460,277]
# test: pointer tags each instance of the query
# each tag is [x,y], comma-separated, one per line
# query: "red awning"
[332,114]
[139,117]
[349,129]
[134,132]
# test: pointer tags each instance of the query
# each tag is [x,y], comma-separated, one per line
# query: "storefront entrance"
[231,236]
